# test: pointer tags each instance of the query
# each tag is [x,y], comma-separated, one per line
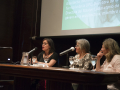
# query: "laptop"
[6,54]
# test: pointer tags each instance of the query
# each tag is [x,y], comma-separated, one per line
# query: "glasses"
[44,43]
[76,45]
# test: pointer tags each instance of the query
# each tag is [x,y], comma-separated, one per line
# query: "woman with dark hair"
[48,50]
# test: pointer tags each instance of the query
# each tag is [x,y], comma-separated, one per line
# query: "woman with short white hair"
[83,57]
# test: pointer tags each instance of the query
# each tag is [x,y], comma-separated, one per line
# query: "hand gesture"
[100,55]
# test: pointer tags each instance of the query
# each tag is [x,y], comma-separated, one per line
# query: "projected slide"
[84,14]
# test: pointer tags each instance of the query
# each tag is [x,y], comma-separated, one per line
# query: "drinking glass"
[93,61]
[71,60]
[46,59]
[34,59]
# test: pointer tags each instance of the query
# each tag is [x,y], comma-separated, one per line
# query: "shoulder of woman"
[77,56]
[88,55]
[116,57]
[54,53]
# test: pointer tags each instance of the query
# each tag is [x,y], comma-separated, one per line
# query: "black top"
[53,56]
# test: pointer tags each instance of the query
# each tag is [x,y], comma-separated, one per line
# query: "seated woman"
[49,51]
[111,51]
[83,57]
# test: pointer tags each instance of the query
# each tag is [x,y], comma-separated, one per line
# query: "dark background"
[17,26]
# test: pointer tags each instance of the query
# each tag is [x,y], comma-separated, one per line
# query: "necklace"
[46,56]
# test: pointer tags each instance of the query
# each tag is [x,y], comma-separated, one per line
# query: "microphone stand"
[67,61]
[31,58]
[5,47]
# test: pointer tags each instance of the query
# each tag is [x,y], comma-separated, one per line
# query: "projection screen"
[79,17]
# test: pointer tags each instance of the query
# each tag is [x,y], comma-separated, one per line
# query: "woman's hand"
[100,55]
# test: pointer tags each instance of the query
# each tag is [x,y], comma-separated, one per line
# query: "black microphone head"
[33,38]
[36,48]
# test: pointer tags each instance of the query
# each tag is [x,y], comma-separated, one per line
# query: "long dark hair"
[51,44]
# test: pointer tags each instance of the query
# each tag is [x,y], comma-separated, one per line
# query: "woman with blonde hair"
[111,51]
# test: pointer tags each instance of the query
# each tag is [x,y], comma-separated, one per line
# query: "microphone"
[33,38]
[66,51]
[6,47]
[32,50]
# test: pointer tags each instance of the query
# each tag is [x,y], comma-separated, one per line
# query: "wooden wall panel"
[6,22]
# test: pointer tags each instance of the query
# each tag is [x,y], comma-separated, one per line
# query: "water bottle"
[25,58]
